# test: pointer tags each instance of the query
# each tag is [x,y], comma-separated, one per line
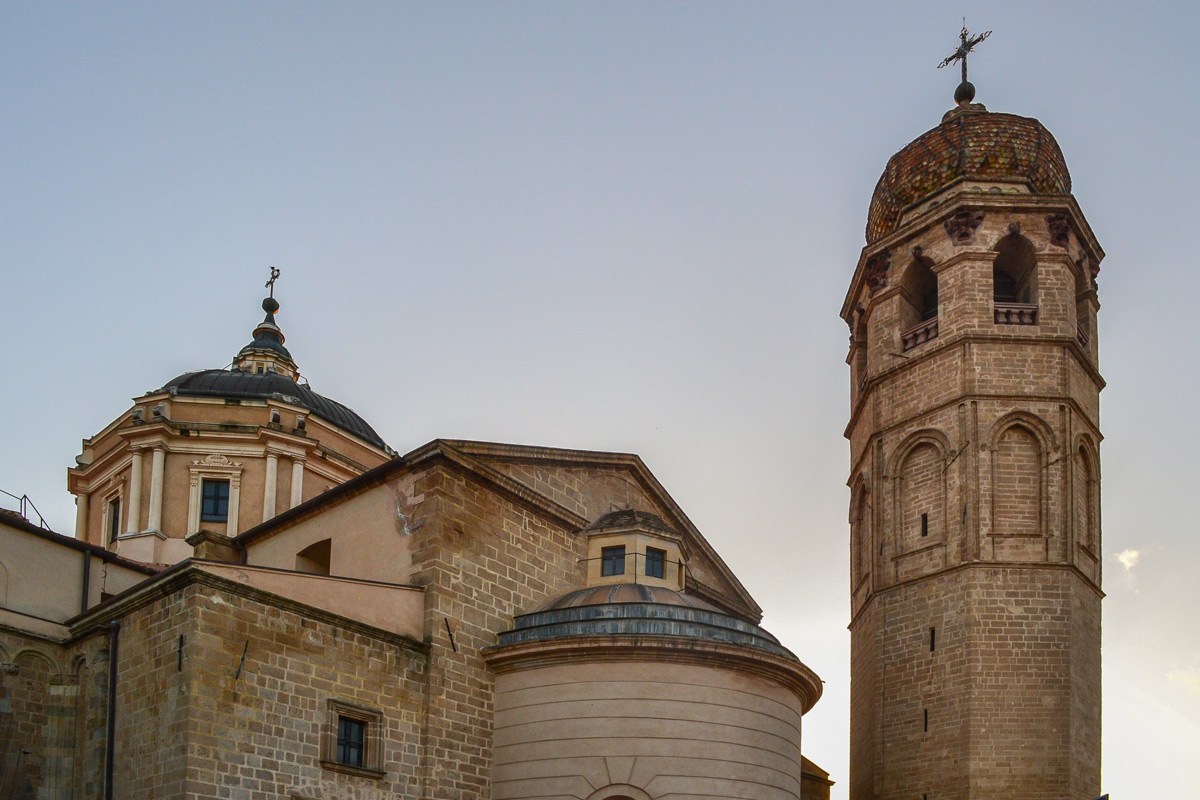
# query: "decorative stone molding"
[216,460]
[1059,227]
[962,226]
[218,467]
[876,272]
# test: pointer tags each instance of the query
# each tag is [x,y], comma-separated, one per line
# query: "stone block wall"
[973,682]
[483,559]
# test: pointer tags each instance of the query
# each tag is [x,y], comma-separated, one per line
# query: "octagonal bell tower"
[974,438]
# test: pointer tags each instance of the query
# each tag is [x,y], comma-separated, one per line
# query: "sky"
[613,226]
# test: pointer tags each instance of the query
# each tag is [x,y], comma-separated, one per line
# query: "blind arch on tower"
[1085,494]
[918,472]
[1019,445]
[860,532]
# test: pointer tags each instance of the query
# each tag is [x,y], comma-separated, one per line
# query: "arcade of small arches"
[1014,292]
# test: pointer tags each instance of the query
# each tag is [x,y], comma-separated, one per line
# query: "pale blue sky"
[619,226]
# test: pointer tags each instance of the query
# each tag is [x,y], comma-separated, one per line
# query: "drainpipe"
[114,630]
[87,581]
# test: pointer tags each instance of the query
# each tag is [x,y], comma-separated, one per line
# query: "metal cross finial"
[968,44]
[271,283]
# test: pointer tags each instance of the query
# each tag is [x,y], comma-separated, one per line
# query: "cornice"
[190,572]
[1026,565]
[794,675]
[923,222]
[957,340]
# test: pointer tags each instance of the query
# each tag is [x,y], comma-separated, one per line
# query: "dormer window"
[656,550]
[612,561]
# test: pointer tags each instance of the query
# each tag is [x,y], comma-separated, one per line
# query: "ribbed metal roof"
[235,384]
[636,610]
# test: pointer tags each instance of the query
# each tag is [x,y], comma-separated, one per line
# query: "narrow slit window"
[932,639]
[114,519]
[926,712]
[924,524]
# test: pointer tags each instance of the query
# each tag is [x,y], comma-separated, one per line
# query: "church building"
[263,600]
[467,620]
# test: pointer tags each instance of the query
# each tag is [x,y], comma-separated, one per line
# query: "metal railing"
[26,505]
[667,563]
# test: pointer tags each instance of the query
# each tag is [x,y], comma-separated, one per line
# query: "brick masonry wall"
[483,559]
[1011,689]
[993,417]
[43,710]
[262,733]
[211,725]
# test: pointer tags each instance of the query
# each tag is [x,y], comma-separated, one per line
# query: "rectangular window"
[352,740]
[612,560]
[114,519]
[352,735]
[214,500]
[932,639]
[924,524]
[656,560]
[926,720]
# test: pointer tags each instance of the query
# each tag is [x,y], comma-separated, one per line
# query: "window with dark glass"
[214,500]
[114,519]
[612,560]
[656,561]
[351,741]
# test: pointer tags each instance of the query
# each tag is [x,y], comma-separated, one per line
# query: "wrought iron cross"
[968,44]
[274,277]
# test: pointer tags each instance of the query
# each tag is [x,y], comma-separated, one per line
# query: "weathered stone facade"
[236,668]
[974,436]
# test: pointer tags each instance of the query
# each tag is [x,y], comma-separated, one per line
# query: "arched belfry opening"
[919,301]
[1014,280]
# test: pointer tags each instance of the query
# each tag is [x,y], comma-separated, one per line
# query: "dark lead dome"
[235,384]
[265,370]
[634,610]
[970,144]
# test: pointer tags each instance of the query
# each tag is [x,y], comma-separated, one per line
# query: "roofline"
[461,453]
[22,524]
[632,462]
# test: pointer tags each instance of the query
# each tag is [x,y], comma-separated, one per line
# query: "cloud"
[1189,680]
[1129,558]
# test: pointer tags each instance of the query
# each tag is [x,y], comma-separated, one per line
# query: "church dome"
[971,143]
[235,384]
[265,370]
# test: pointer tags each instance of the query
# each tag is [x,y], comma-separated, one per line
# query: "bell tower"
[974,440]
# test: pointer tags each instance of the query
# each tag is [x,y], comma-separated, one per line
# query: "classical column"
[297,482]
[135,494]
[269,486]
[81,516]
[157,468]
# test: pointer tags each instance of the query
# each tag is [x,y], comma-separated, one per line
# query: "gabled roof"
[484,462]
